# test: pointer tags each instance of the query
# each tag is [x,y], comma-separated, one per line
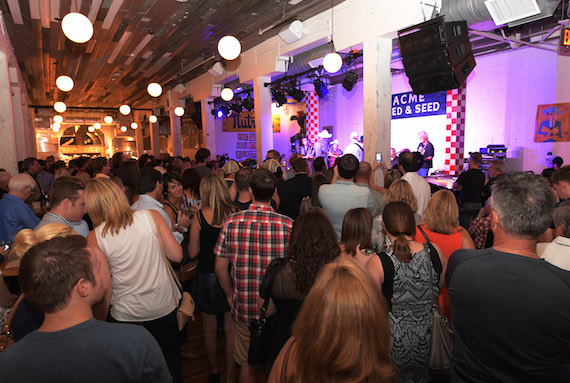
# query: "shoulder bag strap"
[285,362]
[168,265]
[423,233]
[8,323]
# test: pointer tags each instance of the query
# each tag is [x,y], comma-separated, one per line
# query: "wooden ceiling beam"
[15,11]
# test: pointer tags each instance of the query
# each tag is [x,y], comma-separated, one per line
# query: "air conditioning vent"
[506,11]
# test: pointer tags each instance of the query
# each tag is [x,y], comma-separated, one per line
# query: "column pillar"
[377,89]
[455,130]
[312,125]
[208,127]
[263,117]
[138,117]
[175,124]
[155,135]
[9,152]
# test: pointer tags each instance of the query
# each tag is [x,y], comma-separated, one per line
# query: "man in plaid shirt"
[248,242]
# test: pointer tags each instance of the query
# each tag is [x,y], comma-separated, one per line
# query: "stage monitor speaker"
[436,55]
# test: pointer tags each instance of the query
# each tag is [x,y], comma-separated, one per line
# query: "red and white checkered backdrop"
[455,130]
[312,122]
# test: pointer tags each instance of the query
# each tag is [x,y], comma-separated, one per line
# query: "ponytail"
[401,247]
[27,238]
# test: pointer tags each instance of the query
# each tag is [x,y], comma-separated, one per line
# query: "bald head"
[22,185]
[364,172]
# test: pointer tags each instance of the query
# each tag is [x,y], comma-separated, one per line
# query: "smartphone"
[378,157]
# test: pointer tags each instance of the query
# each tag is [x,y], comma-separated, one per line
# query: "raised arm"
[172,249]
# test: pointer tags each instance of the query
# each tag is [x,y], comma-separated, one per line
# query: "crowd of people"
[346,270]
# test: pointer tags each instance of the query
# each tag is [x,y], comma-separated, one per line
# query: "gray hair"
[524,204]
[562,218]
[20,181]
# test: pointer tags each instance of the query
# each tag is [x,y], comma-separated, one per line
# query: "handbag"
[262,330]
[186,306]
[261,335]
[442,336]
[6,335]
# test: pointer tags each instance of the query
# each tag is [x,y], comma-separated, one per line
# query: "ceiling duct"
[478,17]
[308,60]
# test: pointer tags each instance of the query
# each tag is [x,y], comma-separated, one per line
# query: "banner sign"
[246,146]
[244,122]
[406,105]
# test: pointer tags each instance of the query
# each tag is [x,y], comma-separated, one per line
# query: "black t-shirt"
[429,152]
[511,316]
[472,181]
[92,351]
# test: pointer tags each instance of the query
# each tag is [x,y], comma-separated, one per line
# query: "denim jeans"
[165,331]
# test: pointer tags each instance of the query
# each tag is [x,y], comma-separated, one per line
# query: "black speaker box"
[436,55]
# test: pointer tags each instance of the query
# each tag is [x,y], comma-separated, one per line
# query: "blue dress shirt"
[15,215]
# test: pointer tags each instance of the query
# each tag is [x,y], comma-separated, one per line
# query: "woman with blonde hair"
[413,274]
[209,297]
[133,241]
[355,241]
[440,226]
[400,190]
[341,333]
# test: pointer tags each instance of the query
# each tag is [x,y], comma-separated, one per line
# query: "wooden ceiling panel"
[123,55]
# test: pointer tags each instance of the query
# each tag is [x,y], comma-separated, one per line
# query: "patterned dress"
[411,316]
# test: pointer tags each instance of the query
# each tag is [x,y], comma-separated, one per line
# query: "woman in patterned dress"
[413,272]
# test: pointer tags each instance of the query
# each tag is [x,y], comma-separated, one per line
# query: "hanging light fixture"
[91,128]
[58,118]
[97,125]
[152,119]
[60,107]
[124,109]
[332,62]
[179,111]
[134,125]
[55,127]
[123,128]
[77,27]
[154,89]
[227,94]
[229,47]
[64,83]
[108,120]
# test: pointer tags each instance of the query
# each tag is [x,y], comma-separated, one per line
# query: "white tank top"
[142,283]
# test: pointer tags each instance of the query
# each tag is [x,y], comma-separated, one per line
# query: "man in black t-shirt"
[510,309]
[427,150]
[70,345]
[470,185]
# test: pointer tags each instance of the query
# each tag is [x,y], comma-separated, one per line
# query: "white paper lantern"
[64,83]
[227,94]
[332,62]
[97,125]
[124,109]
[56,126]
[179,111]
[134,125]
[123,128]
[229,47]
[152,119]
[60,107]
[58,118]
[91,128]
[77,27]
[108,120]
[154,89]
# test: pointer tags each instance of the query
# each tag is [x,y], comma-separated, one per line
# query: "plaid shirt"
[479,229]
[251,239]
